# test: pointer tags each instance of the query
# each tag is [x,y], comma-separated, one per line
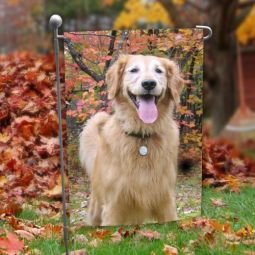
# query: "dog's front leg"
[94,212]
[167,211]
[112,216]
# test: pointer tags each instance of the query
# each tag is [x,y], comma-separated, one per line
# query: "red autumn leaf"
[10,244]
[49,125]
[101,233]
[9,208]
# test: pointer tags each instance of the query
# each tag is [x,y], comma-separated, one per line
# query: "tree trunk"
[223,87]
[220,66]
[220,51]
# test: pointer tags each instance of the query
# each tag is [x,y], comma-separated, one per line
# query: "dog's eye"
[134,70]
[157,70]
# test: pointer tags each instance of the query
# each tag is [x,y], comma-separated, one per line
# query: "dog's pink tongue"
[147,110]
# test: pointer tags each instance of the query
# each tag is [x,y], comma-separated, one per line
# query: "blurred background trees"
[26,23]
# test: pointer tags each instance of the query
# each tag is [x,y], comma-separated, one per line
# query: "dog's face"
[144,82]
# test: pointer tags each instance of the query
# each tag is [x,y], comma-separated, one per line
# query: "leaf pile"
[29,148]
[225,166]
[212,231]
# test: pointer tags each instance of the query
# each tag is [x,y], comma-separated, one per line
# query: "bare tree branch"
[78,60]
[124,36]
[110,49]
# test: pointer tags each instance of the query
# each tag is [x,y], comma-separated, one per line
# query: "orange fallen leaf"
[56,191]
[3,180]
[246,231]
[50,230]
[101,233]
[170,250]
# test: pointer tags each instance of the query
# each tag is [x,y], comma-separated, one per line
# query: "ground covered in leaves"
[30,190]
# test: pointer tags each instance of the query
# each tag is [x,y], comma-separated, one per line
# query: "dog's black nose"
[149,84]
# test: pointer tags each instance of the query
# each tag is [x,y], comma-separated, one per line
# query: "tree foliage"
[138,13]
[246,31]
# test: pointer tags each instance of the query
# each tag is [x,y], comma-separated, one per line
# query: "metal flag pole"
[55,23]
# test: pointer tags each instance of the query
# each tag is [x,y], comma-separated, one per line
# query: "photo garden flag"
[134,118]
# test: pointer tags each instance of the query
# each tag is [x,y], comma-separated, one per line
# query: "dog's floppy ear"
[113,76]
[174,81]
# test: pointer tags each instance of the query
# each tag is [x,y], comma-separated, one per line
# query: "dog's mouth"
[146,106]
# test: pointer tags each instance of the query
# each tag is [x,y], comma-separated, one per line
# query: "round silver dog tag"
[143,150]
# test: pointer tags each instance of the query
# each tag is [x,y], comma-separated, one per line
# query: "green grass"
[28,214]
[240,207]
[47,246]
[239,210]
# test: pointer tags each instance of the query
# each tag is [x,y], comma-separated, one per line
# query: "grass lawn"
[239,210]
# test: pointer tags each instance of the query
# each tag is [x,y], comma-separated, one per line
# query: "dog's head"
[144,81]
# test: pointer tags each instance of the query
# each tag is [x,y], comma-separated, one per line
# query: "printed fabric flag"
[134,118]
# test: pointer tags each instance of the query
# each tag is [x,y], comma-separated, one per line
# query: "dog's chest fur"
[134,174]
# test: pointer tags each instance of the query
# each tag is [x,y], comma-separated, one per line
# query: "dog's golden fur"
[127,188]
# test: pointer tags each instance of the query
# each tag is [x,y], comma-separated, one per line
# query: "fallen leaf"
[249,242]
[170,250]
[49,230]
[218,202]
[171,236]
[94,243]
[10,244]
[249,252]
[56,191]
[116,237]
[4,137]
[151,235]
[246,231]
[25,234]
[77,252]
[10,208]
[101,233]
[35,252]
[3,180]
[80,239]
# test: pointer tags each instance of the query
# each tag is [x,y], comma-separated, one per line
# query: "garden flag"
[134,118]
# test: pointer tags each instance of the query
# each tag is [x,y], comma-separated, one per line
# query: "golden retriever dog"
[131,155]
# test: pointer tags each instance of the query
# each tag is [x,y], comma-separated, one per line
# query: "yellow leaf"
[3,180]
[4,138]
